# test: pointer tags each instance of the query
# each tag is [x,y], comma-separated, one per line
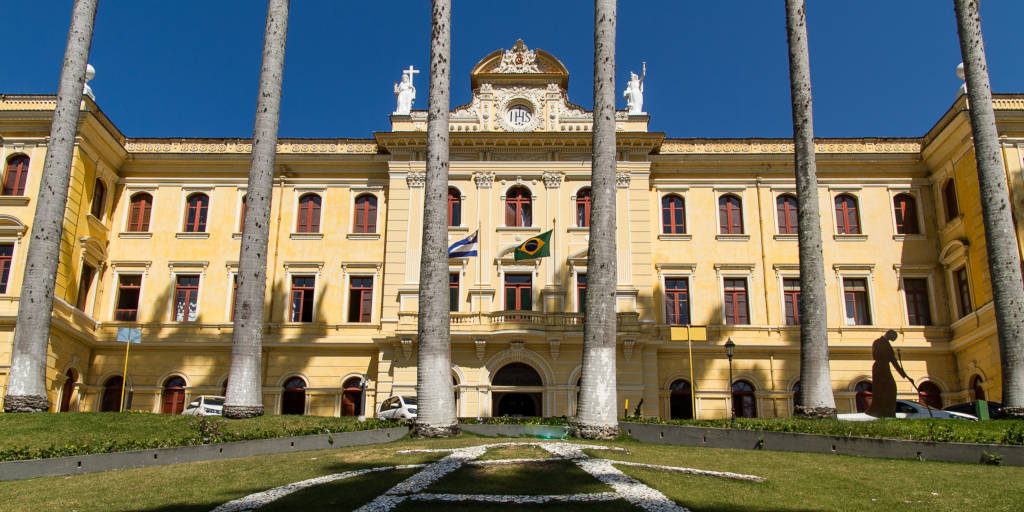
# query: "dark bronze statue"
[883,386]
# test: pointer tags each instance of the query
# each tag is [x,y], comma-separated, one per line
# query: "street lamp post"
[730,349]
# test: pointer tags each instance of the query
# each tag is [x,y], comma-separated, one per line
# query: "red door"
[174,396]
[69,389]
[350,402]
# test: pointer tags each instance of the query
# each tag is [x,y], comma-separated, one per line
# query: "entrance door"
[293,400]
[518,404]
[69,389]
[174,396]
[351,398]
[681,403]
[111,395]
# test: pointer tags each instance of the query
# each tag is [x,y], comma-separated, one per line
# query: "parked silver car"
[205,405]
[912,410]
[402,408]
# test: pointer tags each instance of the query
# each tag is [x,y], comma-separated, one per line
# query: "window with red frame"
[197,208]
[128,289]
[454,207]
[241,215]
[949,200]
[673,217]
[963,291]
[791,299]
[730,215]
[186,298]
[583,203]
[84,284]
[918,309]
[309,214]
[303,288]
[453,292]
[360,299]
[677,301]
[234,295]
[855,296]
[581,293]
[518,208]
[366,214]
[16,175]
[6,259]
[785,207]
[737,311]
[905,209]
[847,220]
[99,197]
[518,292]
[139,212]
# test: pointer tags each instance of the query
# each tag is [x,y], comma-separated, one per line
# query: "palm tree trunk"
[26,387]
[1000,239]
[245,386]
[597,410]
[436,415]
[816,399]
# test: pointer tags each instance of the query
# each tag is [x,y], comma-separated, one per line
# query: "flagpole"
[480,272]
[124,373]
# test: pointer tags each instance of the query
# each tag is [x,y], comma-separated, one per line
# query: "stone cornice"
[625,141]
[785,146]
[244,146]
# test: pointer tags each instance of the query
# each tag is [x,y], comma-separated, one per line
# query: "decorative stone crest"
[553,346]
[416,179]
[407,348]
[627,348]
[483,179]
[481,348]
[552,179]
[622,179]
[519,59]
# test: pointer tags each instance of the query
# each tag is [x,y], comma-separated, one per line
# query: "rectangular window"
[916,293]
[581,292]
[360,299]
[736,310]
[791,300]
[518,292]
[677,301]
[128,289]
[84,284]
[6,258]
[303,288]
[453,292]
[855,295]
[186,298]
[963,291]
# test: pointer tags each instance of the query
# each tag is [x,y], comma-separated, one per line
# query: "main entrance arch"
[517,390]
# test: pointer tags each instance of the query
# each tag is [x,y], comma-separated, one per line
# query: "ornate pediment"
[519,59]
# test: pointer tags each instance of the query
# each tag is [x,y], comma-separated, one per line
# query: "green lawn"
[795,481]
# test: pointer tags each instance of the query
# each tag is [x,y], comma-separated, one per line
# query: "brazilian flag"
[536,247]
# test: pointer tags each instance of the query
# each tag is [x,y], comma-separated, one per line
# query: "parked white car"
[914,410]
[205,405]
[402,408]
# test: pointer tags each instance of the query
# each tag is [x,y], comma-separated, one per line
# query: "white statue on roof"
[405,92]
[634,92]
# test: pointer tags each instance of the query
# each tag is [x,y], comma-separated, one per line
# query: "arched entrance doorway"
[352,397]
[979,391]
[863,397]
[293,398]
[517,391]
[111,395]
[743,403]
[681,401]
[930,394]
[68,390]
[173,398]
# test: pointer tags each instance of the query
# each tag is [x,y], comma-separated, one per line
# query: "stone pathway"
[413,488]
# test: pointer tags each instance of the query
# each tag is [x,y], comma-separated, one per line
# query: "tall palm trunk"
[1000,239]
[245,386]
[597,409]
[816,399]
[26,387]
[436,417]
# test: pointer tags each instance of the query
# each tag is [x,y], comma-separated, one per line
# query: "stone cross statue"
[405,92]
[634,92]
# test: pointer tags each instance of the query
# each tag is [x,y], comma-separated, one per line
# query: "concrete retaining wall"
[541,431]
[813,443]
[22,469]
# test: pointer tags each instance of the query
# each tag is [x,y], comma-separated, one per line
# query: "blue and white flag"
[464,248]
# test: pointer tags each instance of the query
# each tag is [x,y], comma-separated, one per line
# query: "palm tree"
[596,416]
[436,416]
[816,398]
[26,386]
[245,389]
[1000,239]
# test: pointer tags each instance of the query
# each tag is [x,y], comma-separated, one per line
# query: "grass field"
[795,481]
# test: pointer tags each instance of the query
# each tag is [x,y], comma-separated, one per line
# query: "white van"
[205,405]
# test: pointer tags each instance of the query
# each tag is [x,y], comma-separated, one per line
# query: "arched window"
[309,214]
[743,403]
[847,219]
[730,215]
[111,395]
[241,215]
[366,214]
[454,207]
[139,211]
[979,391]
[516,374]
[681,400]
[673,215]
[785,207]
[905,209]
[16,175]
[173,399]
[197,207]
[352,397]
[99,197]
[949,200]
[293,398]
[863,397]
[518,208]
[68,390]
[583,204]
[928,393]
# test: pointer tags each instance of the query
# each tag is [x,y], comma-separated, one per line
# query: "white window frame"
[236,231]
[915,192]
[533,207]
[743,271]
[916,273]
[855,193]
[130,193]
[376,192]
[776,194]
[302,269]
[856,271]
[186,268]
[183,211]
[462,207]
[300,191]
[740,192]
[783,272]
[232,272]
[681,192]
[361,269]
[128,269]
[15,242]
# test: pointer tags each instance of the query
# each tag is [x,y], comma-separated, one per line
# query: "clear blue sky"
[714,69]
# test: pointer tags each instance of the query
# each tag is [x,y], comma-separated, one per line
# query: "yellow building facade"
[706,241]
